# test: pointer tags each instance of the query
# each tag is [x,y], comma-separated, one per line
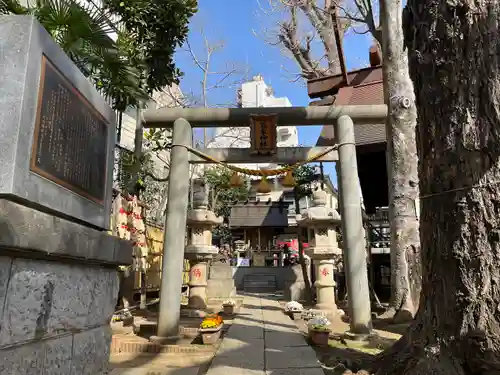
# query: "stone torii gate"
[183,120]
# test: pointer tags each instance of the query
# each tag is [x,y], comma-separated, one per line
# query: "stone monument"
[199,250]
[58,266]
[220,280]
[322,223]
[295,285]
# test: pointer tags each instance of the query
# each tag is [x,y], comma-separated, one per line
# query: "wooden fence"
[154,238]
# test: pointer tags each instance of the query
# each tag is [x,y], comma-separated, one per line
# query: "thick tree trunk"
[302,260]
[454,50]
[402,161]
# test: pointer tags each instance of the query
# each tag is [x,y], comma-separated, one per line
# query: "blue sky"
[235,23]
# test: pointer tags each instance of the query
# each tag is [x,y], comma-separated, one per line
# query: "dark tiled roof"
[370,93]
[260,214]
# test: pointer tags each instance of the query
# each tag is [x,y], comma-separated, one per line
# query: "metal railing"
[379,229]
[120,172]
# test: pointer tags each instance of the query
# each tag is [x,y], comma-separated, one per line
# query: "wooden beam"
[284,155]
[240,117]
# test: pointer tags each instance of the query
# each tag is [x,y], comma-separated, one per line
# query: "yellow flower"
[211,321]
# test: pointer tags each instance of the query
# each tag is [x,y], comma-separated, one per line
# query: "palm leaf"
[12,7]
[82,31]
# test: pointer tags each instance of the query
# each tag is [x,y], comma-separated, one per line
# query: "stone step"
[259,280]
[261,283]
[259,290]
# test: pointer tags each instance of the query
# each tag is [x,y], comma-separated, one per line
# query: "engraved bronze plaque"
[70,139]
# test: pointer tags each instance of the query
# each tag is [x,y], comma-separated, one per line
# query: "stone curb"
[120,346]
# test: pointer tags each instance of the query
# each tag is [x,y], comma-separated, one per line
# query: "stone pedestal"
[198,283]
[325,284]
[58,288]
[199,250]
[323,248]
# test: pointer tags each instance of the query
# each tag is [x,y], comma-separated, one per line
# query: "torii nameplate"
[263,134]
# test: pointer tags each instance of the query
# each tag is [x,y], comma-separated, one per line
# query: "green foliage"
[320,328]
[158,139]
[82,31]
[127,159]
[138,63]
[150,190]
[222,196]
[154,28]
[304,176]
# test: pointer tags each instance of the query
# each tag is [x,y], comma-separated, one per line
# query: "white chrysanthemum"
[318,321]
[293,306]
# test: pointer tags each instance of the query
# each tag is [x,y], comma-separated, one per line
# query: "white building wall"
[127,136]
[256,94]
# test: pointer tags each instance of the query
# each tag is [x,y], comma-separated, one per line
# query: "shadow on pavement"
[262,340]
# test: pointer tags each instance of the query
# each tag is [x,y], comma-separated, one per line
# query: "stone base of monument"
[58,288]
[220,282]
[58,272]
[149,329]
[220,288]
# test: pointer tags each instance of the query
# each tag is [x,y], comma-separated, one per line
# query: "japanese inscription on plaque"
[263,134]
[70,139]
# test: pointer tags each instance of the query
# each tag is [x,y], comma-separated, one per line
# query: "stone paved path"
[264,341]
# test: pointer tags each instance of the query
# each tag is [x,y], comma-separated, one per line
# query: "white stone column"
[199,250]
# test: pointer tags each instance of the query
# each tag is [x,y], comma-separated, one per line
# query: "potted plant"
[210,329]
[228,307]
[318,320]
[294,309]
[319,334]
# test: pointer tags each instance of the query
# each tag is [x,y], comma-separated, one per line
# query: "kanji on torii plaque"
[263,134]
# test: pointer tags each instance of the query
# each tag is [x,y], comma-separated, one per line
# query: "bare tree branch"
[359,16]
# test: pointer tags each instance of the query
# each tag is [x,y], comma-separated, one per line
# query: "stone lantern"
[199,249]
[321,223]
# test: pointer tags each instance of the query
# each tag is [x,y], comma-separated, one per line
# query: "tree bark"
[302,260]
[454,53]
[402,160]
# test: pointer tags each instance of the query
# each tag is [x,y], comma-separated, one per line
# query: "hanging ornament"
[236,180]
[264,186]
[289,181]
